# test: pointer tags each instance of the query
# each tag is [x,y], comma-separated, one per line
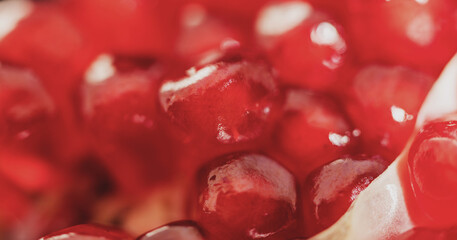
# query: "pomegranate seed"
[99,122]
[120,101]
[220,108]
[119,106]
[330,190]
[88,231]
[43,38]
[383,104]
[203,36]
[419,34]
[313,131]
[183,230]
[432,171]
[246,196]
[27,112]
[304,45]
[227,102]
[142,27]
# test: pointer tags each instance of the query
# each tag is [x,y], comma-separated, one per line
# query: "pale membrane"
[11,13]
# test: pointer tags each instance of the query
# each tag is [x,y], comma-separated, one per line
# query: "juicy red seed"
[182,230]
[383,104]
[42,40]
[202,36]
[428,234]
[313,131]
[226,102]
[330,190]
[419,34]
[27,113]
[304,45]
[246,196]
[127,27]
[46,41]
[88,231]
[432,167]
[120,111]
[119,103]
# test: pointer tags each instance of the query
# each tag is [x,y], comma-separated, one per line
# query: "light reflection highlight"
[421,29]
[280,18]
[193,15]
[338,140]
[194,77]
[400,115]
[100,69]
[325,34]
[422,2]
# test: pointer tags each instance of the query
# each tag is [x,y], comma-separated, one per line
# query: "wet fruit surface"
[225,101]
[27,112]
[126,27]
[235,184]
[330,190]
[383,104]
[432,172]
[39,36]
[304,45]
[313,131]
[224,119]
[416,33]
[120,110]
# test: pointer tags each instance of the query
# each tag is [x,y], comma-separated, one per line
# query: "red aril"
[120,100]
[42,38]
[246,196]
[419,34]
[227,102]
[304,45]
[312,131]
[27,113]
[203,36]
[330,190]
[127,27]
[432,175]
[383,103]
[119,105]
[219,108]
